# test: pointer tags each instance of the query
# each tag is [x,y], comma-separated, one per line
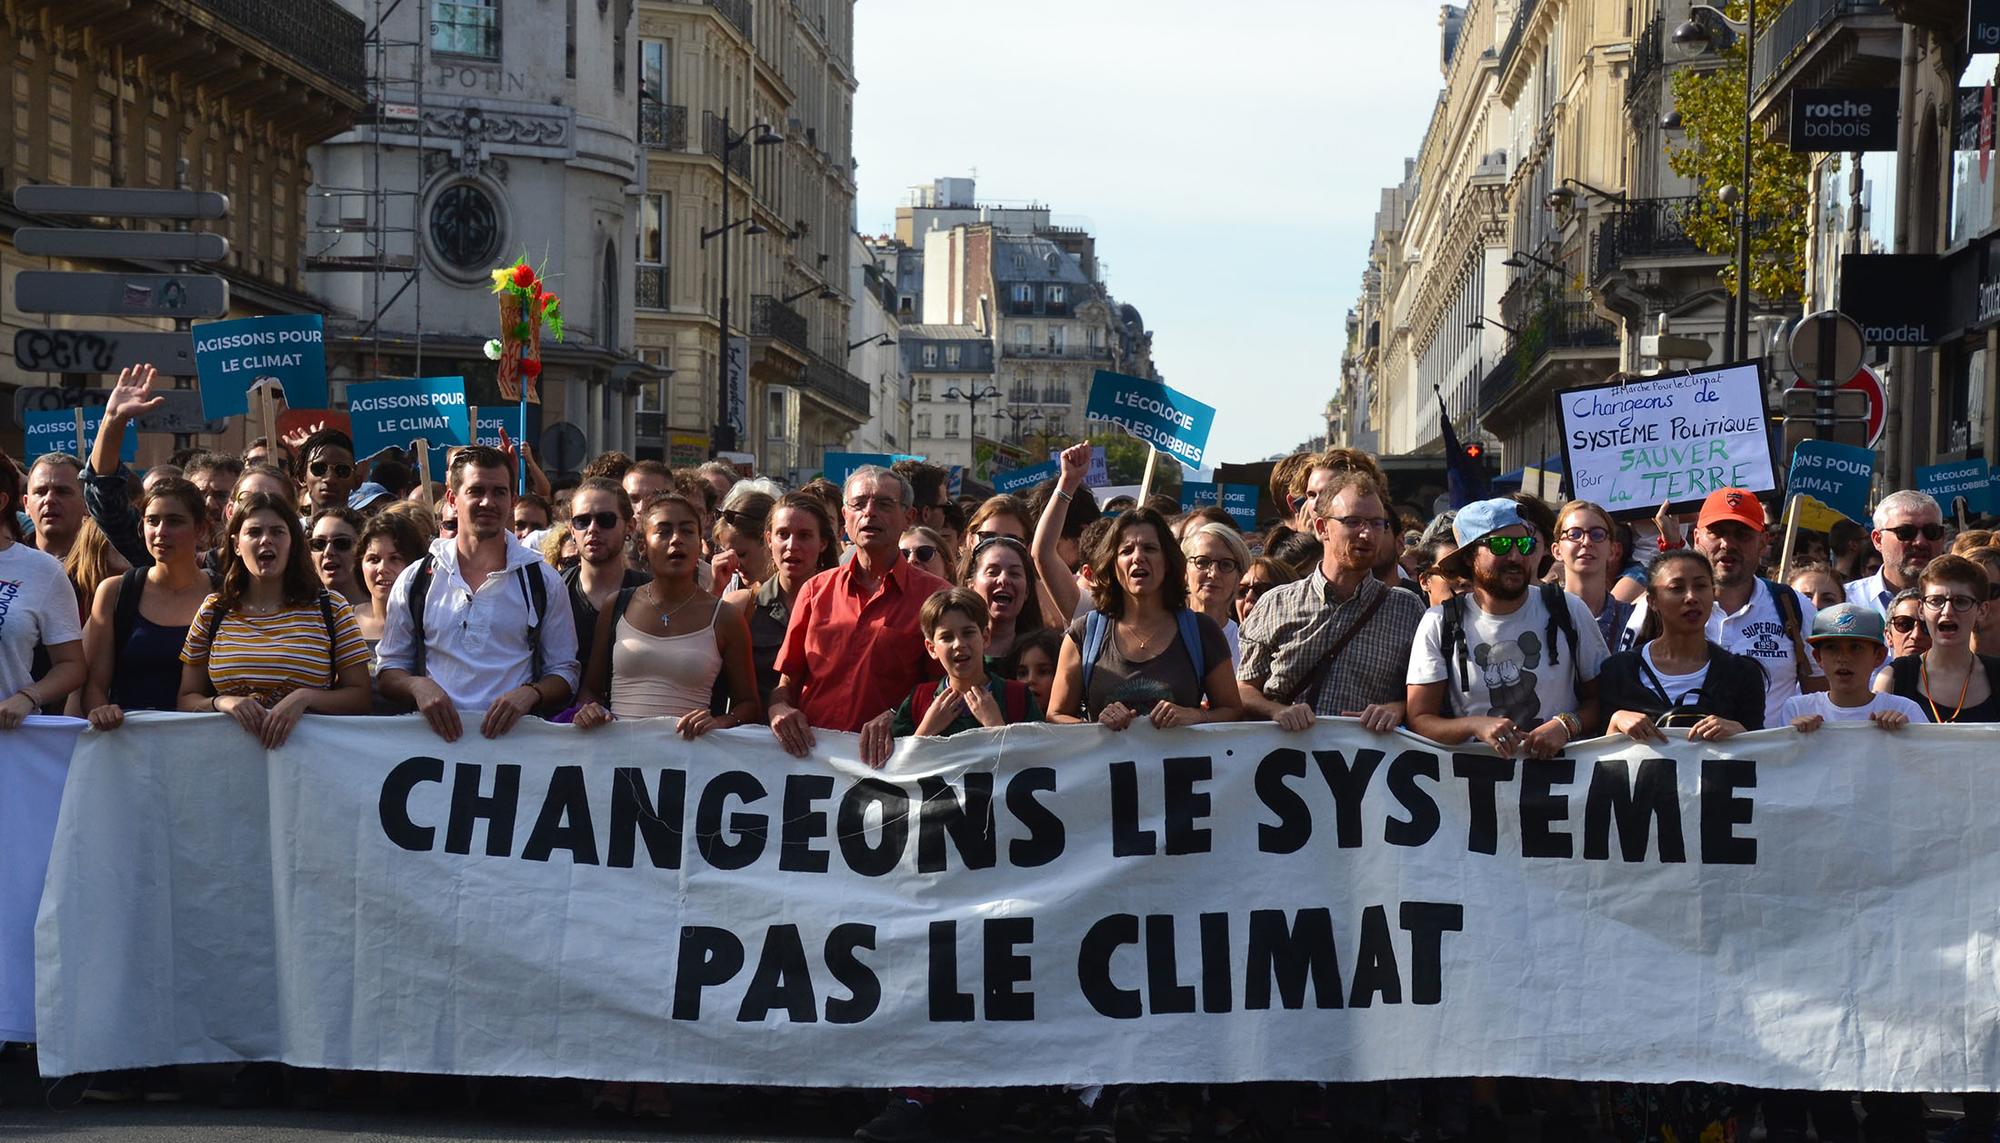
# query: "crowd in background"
[299,578]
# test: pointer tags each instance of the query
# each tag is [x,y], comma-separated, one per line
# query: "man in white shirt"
[1752,616]
[495,624]
[1909,532]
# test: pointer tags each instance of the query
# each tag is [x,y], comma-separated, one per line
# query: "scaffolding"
[371,230]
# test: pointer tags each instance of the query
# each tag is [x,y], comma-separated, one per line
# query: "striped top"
[269,656]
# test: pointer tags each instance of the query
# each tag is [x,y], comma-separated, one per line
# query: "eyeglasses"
[322,467]
[879,503]
[1909,532]
[1223,564]
[1253,590]
[1904,624]
[922,553]
[1297,502]
[1955,602]
[1578,535]
[985,534]
[605,521]
[1504,545]
[1357,523]
[337,543]
[742,521]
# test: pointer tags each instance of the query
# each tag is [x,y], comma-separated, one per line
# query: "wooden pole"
[82,446]
[424,472]
[472,413]
[1958,508]
[1791,540]
[1146,485]
[267,416]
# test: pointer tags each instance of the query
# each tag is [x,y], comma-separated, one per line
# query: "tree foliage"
[1711,107]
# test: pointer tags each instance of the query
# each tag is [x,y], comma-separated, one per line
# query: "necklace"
[1144,641]
[654,597]
[1924,668]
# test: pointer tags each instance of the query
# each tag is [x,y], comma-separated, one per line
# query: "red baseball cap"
[1738,504]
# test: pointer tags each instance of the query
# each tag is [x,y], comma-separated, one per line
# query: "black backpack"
[1457,657]
[125,614]
[533,589]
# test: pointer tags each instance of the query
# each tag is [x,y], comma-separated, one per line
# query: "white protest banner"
[1033,905]
[1679,436]
[31,786]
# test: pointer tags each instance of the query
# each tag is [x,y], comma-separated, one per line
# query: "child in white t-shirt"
[1848,642]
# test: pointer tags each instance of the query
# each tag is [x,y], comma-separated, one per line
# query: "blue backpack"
[1097,629]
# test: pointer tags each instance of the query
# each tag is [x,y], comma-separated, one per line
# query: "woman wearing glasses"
[998,571]
[334,541]
[1949,681]
[1907,633]
[1586,550]
[1216,560]
[926,549]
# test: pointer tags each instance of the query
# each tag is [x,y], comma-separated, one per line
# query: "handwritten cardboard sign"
[1676,437]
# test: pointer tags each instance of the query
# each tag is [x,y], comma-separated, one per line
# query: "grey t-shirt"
[1143,683]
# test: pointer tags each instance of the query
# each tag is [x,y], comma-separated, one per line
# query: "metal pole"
[725,433]
[1743,232]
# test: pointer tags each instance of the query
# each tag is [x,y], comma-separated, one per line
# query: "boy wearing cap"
[1755,617]
[1512,663]
[1848,641]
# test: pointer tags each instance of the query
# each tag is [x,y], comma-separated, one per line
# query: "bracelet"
[1571,724]
[32,700]
[1061,495]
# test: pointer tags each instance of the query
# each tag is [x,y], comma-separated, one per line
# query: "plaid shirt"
[1293,627]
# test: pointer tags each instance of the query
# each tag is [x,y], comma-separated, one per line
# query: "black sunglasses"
[1904,623]
[337,543]
[922,553]
[340,471]
[1908,532]
[605,521]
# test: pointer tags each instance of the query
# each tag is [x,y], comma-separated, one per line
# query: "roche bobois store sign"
[1844,119]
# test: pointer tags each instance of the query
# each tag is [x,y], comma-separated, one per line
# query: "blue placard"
[55,431]
[1972,479]
[1239,500]
[232,356]
[838,466]
[494,418]
[397,414]
[1836,475]
[1172,422]
[1022,479]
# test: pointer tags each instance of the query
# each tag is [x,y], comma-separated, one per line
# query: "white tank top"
[663,676]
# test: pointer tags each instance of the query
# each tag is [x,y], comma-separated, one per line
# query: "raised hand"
[133,395]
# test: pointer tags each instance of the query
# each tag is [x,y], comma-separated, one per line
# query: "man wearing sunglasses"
[600,517]
[1512,663]
[1909,532]
[328,474]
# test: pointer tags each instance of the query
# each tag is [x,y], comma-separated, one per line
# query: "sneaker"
[899,1120]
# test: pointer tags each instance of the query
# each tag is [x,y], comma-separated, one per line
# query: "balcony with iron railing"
[737,12]
[1519,28]
[663,126]
[1805,28]
[836,385]
[1648,55]
[1645,228]
[317,34]
[713,143]
[649,287]
[1060,353]
[1553,327]
[772,318]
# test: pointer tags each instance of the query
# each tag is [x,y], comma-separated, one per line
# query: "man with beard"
[1338,641]
[470,624]
[1512,663]
[327,472]
[1909,532]
[1763,619]
[853,648]
[600,517]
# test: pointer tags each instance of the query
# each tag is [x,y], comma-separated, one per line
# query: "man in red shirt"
[854,648]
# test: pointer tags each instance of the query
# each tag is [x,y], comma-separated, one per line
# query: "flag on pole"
[1464,483]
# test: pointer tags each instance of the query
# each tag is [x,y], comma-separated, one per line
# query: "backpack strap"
[1191,639]
[1556,602]
[1787,603]
[535,592]
[420,590]
[214,623]
[1096,629]
[125,613]
[1452,634]
[332,641]
[623,601]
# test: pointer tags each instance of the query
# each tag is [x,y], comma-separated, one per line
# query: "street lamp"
[1563,198]
[973,398]
[884,338]
[1520,258]
[723,435]
[1496,323]
[1708,29]
[824,293]
[1019,418]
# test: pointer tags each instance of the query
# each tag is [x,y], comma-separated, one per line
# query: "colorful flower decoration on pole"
[526,307]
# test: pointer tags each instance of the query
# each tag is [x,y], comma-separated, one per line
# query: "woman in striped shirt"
[272,644]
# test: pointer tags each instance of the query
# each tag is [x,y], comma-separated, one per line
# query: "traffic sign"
[1826,345]
[181,412]
[121,202]
[103,351]
[1865,382]
[155,295]
[165,245]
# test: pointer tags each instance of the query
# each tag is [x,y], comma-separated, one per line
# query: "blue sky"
[1229,159]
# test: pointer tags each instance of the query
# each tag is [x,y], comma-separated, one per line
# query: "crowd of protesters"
[300,578]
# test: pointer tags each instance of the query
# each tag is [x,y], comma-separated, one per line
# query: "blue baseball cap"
[1475,522]
[1848,621]
[368,493]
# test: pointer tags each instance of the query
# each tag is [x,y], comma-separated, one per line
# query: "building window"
[930,356]
[924,389]
[1058,338]
[650,281]
[1058,295]
[1021,299]
[465,227]
[1096,338]
[653,71]
[923,424]
[1024,334]
[951,424]
[951,357]
[466,28]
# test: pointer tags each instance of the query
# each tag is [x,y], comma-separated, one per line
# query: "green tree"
[1710,102]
